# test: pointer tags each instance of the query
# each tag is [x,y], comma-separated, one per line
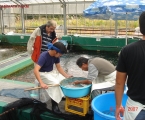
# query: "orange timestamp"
[132,109]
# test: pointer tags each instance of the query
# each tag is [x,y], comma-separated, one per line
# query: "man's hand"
[119,110]
[69,76]
[44,86]
[76,82]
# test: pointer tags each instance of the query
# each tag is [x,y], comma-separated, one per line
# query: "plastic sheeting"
[115,9]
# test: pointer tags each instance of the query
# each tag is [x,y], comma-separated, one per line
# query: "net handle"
[35,88]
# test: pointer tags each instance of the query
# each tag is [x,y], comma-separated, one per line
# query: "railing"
[84,31]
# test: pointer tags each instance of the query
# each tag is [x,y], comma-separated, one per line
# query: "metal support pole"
[64,19]
[2,20]
[116,30]
[64,16]
[126,30]
[23,20]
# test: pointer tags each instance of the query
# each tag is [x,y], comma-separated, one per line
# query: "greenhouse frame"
[12,11]
[23,16]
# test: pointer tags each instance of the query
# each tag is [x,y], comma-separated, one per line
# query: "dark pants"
[95,93]
[100,91]
[141,115]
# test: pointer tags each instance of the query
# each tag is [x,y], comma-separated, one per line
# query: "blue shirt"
[46,62]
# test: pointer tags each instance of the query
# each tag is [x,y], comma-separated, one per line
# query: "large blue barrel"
[104,106]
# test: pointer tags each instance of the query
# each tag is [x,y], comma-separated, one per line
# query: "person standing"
[45,75]
[130,69]
[39,39]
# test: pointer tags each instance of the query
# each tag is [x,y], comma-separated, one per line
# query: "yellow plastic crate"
[78,106]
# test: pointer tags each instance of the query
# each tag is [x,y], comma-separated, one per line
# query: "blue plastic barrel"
[105,103]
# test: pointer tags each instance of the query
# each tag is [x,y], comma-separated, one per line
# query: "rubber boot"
[55,107]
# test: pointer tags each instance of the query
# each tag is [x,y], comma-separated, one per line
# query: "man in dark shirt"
[131,68]
[45,75]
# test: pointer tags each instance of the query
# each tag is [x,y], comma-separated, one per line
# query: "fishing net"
[15,93]
[13,111]
[111,112]
[21,93]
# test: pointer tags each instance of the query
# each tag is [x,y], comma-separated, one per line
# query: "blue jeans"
[141,115]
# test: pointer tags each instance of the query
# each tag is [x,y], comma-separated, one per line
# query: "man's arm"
[61,71]
[54,40]
[31,40]
[82,82]
[92,75]
[119,89]
[37,75]
[92,72]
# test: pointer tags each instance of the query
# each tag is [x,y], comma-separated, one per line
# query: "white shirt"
[92,72]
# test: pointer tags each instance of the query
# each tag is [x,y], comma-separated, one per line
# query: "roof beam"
[50,3]
[61,2]
[16,2]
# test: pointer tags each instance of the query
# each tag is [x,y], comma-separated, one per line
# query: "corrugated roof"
[29,2]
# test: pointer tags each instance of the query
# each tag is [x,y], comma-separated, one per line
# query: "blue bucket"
[105,103]
[75,92]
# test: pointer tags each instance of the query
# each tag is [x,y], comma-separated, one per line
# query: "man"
[39,39]
[131,67]
[45,75]
[101,73]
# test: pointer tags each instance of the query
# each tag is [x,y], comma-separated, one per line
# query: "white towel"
[132,109]
[109,81]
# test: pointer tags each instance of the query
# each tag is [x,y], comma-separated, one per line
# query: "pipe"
[2,20]
[23,21]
